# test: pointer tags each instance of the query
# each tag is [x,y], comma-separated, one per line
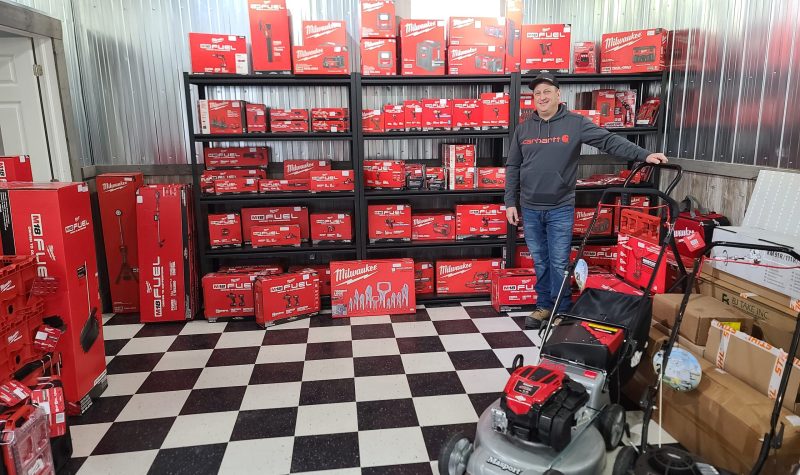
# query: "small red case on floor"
[287,297]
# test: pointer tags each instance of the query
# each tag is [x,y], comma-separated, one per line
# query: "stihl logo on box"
[634,51]
[478,31]
[424,275]
[372,120]
[394,117]
[332,126]
[15,168]
[236,157]
[389,223]
[467,114]
[378,57]
[270,36]
[321,60]
[378,19]
[275,235]
[268,186]
[437,114]
[256,118]
[491,177]
[480,220]
[223,54]
[636,263]
[227,186]
[462,178]
[301,169]
[332,180]
[433,227]
[422,47]
[584,216]
[336,227]
[329,113]
[465,277]
[208,177]
[281,215]
[224,230]
[221,117]
[324,33]
[546,48]
[522,258]
[289,114]
[389,175]
[495,110]
[513,289]
[413,115]
[228,295]
[283,298]
[376,287]
[465,60]
[600,256]
[584,57]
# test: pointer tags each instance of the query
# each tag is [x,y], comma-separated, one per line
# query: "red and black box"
[268,235]
[331,227]
[15,168]
[331,180]
[270,36]
[256,118]
[288,126]
[424,277]
[222,54]
[289,114]
[272,185]
[389,223]
[384,174]
[394,117]
[287,297]
[636,260]
[475,60]
[301,169]
[480,221]
[584,57]
[236,157]
[546,48]
[332,126]
[522,257]
[461,178]
[494,110]
[372,287]
[231,186]
[513,14]
[513,289]
[467,114]
[378,19]
[324,273]
[208,177]
[321,60]
[224,230]
[378,57]
[372,120]
[491,178]
[282,215]
[228,295]
[638,51]
[221,117]
[479,31]
[324,33]
[458,155]
[583,218]
[437,114]
[413,114]
[422,47]
[597,255]
[438,226]
[472,276]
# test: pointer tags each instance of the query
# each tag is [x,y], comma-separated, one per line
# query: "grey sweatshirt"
[542,165]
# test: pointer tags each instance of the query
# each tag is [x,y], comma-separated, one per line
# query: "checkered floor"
[374,395]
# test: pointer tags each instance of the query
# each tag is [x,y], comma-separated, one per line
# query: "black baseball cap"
[544,77]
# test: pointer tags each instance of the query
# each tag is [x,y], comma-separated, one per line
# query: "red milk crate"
[546,48]
[208,177]
[394,117]
[288,126]
[424,276]
[332,180]
[324,273]
[255,118]
[270,235]
[422,47]
[437,114]
[272,185]
[389,223]
[331,227]
[230,186]
[438,226]
[494,110]
[467,114]
[324,33]
[491,178]
[597,255]
[372,287]
[475,60]
[301,169]
[270,36]
[522,257]
[287,297]
[289,114]
[471,276]
[479,31]
[378,57]
[321,60]
[282,215]
[15,168]
[513,14]
[228,295]
[513,289]
[372,120]
[638,51]
[224,230]
[384,174]
[413,114]
[461,178]
[584,57]
[236,157]
[480,221]
[636,261]
[221,117]
[378,19]
[583,218]
[223,54]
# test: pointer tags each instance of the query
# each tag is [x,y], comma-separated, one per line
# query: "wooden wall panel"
[728,196]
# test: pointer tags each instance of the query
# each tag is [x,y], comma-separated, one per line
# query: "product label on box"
[495,110]
[13,392]
[458,155]
[423,48]
[279,215]
[332,126]
[51,400]
[633,51]
[378,19]
[289,114]
[256,118]
[332,180]
[522,257]
[228,186]
[394,117]
[462,178]
[546,48]
[384,174]
[228,294]
[413,115]
[513,289]
[331,227]
[224,230]
[492,177]
[584,58]
[268,186]
[275,235]
[437,114]
[433,227]
[288,126]
[46,338]
[221,117]
[236,157]
[372,120]
[372,287]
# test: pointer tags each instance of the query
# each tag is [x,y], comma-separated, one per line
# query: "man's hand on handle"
[656,158]
[512,215]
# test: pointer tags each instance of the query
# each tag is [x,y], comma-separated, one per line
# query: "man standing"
[541,173]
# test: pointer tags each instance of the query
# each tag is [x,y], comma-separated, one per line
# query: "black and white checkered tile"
[374,395]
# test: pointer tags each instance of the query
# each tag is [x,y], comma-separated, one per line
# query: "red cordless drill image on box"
[513,289]
[384,175]
[15,168]
[413,115]
[424,275]
[222,54]
[491,177]
[221,117]
[378,57]
[494,110]
[372,287]
[278,215]
[461,178]
[236,157]
[480,220]
[270,36]
[321,60]
[603,226]
[271,185]
[332,180]
[372,120]
[546,48]
[287,297]
[465,276]
[228,295]
[256,118]
[422,47]
[324,273]
[224,230]
[437,114]
[269,235]
[331,227]
[208,177]
[477,31]
[467,114]
[378,19]
[636,51]
[301,169]
[475,60]
[389,223]
[394,116]
[229,186]
[433,227]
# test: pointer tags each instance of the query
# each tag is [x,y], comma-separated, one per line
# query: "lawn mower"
[557,417]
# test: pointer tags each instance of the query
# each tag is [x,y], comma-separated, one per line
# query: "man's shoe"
[535,319]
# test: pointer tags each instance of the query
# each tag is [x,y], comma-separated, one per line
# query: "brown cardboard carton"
[699,313]
[780,300]
[682,342]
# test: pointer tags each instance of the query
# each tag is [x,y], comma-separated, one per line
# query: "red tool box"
[256,118]
[20,315]
[467,114]
[287,297]
[372,120]
[584,57]
[546,48]
[332,126]
[288,126]
[439,226]
[422,47]
[701,224]
[491,178]
[332,180]
[384,174]
[289,114]
[461,178]
[116,197]
[269,235]
[471,276]
[301,169]
[638,51]
[324,33]
[236,157]
[321,60]
[232,186]
[208,177]
[479,31]
[221,117]
[224,230]
[389,223]
[331,227]
[480,221]
[522,257]
[223,54]
[270,36]
[494,110]
[324,273]
[15,168]
[378,19]
[372,287]
[424,276]
[272,185]
[282,215]
[437,114]
[413,114]
[61,237]
[636,261]
[583,218]
[228,295]
[394,116]
[168,283]
[475,60]
[454,155]
[378,57]
[597,255]
[648,113]
[513,289]
[26,441]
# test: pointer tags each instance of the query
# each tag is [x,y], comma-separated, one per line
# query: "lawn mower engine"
[540,404]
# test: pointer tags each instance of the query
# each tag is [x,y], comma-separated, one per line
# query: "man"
[541,173]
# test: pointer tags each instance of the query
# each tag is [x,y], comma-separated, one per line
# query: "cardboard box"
[378,19]
[648,113]
[458,155]
[604,225]
[329,113]
[394,117]
[288,126]
[389,223]
[597,255]
[269,269]
[384,174]
[584,57]
[437,114]
[636,263]
[471,276]
[461,178]
[700,311]
[467,114]
[324,33]
[331,227]
[272,185]
[235,157]
[546,48]
[475,60]
[494,111]
[270,36]
[413,115]
[591,114]
[372,287]
[424,276]
[228,295]
[15,168]
[269,235]
[478,31]
[231,186]
[285,298]
[332,180]
[513,289]
[439,226]
[372,121]
[208,177]
[324,273]
[224,230]
[116,197]
[221,117]
[513,16]
[491,178]
[378,57]
[480,220]
[330,126]
[221,54]
[289,114]
[605,102]
[522,257]
[422,47]
[255,118]
[608,281]
[301,169]
[638,51]
[321,60]
[283,215]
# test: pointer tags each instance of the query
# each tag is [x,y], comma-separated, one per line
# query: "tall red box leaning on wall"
[53,221]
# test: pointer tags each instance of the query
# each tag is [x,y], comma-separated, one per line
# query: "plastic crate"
[16,346]
[17,274]
[26,441]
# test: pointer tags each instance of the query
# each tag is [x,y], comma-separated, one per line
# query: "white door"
[22,129]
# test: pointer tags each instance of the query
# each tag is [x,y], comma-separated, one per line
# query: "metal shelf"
[598,78]
[248,251]
[288,195]
[266,80]
[593,241]
[433,80]
[439,134]
[381,194]
[278,137]
[419,245]
[633,130]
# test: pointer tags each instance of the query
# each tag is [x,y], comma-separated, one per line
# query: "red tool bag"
[694,219]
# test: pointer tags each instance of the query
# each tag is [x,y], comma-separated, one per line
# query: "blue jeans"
[548,234]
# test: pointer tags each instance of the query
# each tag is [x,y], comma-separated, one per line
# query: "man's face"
[547,97]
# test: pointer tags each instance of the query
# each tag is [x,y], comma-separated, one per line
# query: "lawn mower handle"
[674,207]
[642,165]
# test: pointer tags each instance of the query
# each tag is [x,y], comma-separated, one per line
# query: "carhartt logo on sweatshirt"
[546,140]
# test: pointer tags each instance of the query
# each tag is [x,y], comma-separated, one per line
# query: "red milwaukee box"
[332,126]
[221,117]
[224,230]
[270,185]
[637,51]
[648,113]
[378,57]
[467,114]
[495,110]
[636,202]
[324,33]
[475,60]
[584,57]
[372,120]
[594,255]
[434,173]
[330,113]
[269,269]
[228,295]
[422,47]
[624,109]
[332,180]
[289,114]
[236,157]
[296,169]
[415,173]
[526,107]
[60,235]
[168,282]
[228,186]
[439,226]
[465,277]
[15,168]
[479,31]
[389,223]
[437,114]
[480,220]
[608,281]
[461,178]
[324,273]
[413,115]
[208,177]
[275,235]
[583,218]
[424,275]
[372,287]
[546,48]
[522,257]
[394,117]
[116,196]
[48,395]
[290,126]
[458,155]
[636,261]
[224,54]
[513,16]
[378,19]
[256,118]
[331,227]
[279,215]
[513,289]
[321,60]
[384,174]
[605,102]
[591,114]
[287,297]
[270,36]
[491,177]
